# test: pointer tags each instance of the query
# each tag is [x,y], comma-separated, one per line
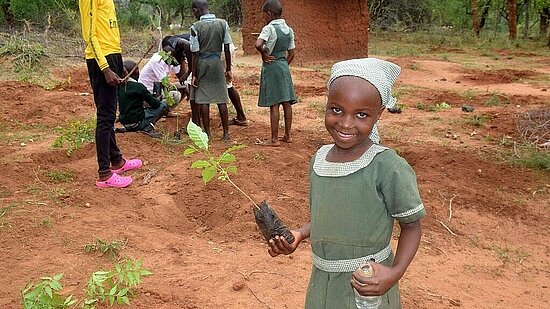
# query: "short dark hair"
[274,7]
[166,40]
[199,4]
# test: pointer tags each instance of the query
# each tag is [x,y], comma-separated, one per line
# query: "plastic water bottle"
[367,302]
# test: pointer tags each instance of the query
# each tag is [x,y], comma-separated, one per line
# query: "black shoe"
[151,133]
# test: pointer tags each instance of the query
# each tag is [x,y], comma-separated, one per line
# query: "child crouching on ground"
[357,190]
[131,96]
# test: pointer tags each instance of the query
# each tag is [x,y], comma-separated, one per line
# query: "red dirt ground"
[484,240]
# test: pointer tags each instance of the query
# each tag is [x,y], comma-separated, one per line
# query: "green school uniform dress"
[353,207]
[275,82]
[210,70]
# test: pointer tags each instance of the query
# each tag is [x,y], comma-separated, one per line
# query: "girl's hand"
[228,76]
[279,245]
[267,58]
[384,278]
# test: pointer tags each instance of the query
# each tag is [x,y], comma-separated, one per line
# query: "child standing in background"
[208,35]
[357,190]
[276,88]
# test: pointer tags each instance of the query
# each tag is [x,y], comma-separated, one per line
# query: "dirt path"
[483,240]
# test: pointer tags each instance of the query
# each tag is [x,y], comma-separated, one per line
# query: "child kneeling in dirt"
[134,116]
[352,225]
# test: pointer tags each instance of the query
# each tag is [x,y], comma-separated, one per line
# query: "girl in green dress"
[357,190]
[276,44]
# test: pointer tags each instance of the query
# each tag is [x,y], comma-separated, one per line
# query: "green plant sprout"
[75,134]
[114,285]
[111,248]
[46,294]
[213,165]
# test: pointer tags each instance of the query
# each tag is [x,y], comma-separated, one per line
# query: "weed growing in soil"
[114,285]
[439,107]
[496,99]
[532,157]
[74,134]
[110,248]
[60,175]
[27,54]
[477,120]
[3,212]
[46,294]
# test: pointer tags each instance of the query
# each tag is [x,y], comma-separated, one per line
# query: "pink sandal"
[115,181]
[128,166]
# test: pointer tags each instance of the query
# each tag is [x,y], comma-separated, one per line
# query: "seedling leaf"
[199,138]
[231,169]
[208,173]
[227,158]
[201,164]
[189,151]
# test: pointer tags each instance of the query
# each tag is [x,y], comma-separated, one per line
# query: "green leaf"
[208,173]
[201,164]
[189,151]
[56,285]
[227,158]
[145,272]
[58,277]
[125,300]
[231,169]
[199,138]
[113,290]
[49,291]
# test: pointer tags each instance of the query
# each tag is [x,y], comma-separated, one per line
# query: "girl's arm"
[290,57]
[279,245]
[260,46]
[385,277]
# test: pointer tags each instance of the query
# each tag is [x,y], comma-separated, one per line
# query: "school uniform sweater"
[130,101]
[100,30]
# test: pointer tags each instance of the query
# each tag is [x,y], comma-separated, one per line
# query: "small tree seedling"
[222,166]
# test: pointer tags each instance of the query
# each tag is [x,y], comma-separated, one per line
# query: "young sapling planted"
[222,166]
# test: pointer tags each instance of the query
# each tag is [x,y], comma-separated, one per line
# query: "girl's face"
[353,107]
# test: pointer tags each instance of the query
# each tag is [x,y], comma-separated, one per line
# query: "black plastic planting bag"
[270,224]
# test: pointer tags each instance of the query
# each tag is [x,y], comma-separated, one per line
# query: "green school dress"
[210,70]
[275,82]
[353,206]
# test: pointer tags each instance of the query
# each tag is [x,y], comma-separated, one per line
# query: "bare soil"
[484,240]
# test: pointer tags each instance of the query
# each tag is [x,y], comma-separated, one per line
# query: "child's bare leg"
[224,115]
[195,113]
[274,120]
[236,100]
[205,116]
[287,110]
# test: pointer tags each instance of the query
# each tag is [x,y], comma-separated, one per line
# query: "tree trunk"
[484,15]
[544,16]
[476,25]
[526,26]
[512,31]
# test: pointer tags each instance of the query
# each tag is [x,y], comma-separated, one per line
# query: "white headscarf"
[381,74]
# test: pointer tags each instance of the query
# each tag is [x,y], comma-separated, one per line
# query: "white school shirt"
[269,35]
[194,40]
[155,70]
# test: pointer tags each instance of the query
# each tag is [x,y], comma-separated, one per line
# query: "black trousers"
[106,98]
